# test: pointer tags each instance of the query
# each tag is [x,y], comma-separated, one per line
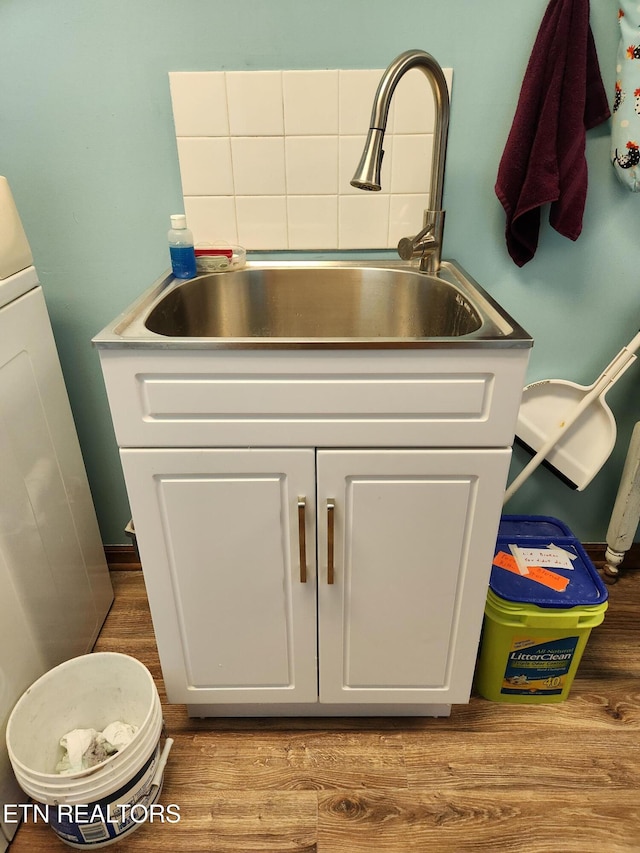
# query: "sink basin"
[317,304]
[295,303]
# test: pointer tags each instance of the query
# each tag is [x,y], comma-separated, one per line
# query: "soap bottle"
[181,249]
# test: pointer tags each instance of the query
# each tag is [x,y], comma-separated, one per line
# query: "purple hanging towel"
[544,162]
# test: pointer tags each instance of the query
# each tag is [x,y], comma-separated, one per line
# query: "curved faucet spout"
[367,176]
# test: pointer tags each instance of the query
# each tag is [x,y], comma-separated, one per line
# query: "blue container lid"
[585,587]
[532,525]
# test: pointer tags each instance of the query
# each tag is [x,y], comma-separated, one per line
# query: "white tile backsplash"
[414,104]
[310,102]
[255,103]
[312,165]
[406,215]
[199,101]
[313,221]
[363,221]
[205,165]
[411,163]
[212,218]
[266,157]
[258,165]
[262,222]
[357,89]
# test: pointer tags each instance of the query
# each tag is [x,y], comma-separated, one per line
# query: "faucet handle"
[412,247]
[427,244]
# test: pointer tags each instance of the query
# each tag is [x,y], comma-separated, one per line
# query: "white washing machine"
[55,589]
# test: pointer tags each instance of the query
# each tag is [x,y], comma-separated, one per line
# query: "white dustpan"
[568,426]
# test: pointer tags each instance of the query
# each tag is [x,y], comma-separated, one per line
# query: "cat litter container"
[537,624]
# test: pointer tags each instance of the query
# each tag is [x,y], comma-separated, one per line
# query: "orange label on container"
[506,561]
[552,580]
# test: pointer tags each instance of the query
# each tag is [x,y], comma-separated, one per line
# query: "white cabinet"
[225,453]
[245,625]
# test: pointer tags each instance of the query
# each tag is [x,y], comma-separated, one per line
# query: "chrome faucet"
[427,244]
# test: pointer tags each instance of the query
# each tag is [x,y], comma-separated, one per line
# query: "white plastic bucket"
[97,806]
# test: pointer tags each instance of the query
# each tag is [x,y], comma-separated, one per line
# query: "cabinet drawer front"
[211,400]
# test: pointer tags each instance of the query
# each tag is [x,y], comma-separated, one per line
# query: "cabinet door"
[414,533]
[218,535]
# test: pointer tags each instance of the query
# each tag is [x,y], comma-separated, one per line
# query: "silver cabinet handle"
[302,538]
[330,538]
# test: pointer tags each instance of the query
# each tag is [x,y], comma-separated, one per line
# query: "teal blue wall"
[87,143]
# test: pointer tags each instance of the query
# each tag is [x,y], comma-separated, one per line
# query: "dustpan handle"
[157,776]
[622,360]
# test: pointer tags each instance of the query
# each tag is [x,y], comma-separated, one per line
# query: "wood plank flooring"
[561,778]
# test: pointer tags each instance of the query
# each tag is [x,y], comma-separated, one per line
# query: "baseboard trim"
[122,558]
[596,552]
[125,557]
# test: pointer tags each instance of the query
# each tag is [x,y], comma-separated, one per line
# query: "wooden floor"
[561,778]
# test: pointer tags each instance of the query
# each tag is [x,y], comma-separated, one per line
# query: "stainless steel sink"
[311,304]
[294,303]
